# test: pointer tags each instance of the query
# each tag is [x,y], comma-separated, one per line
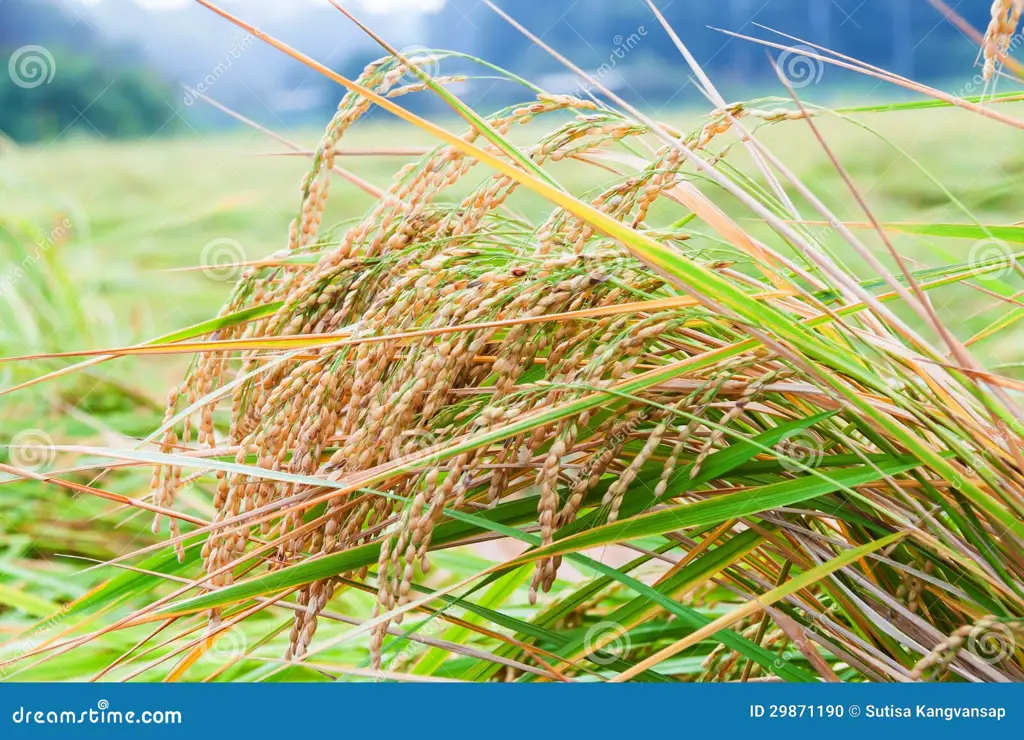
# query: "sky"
[377,7]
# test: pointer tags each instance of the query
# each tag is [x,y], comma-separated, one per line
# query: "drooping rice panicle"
[483,354]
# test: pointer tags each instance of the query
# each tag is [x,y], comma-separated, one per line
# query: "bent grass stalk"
[444,371]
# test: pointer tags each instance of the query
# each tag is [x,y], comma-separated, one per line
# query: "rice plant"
[801,475]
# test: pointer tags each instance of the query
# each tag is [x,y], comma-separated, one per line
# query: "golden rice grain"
[417,262]
[999,37]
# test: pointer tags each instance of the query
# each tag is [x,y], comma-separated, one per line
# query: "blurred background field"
[112,224]
[141,213]
[113,138]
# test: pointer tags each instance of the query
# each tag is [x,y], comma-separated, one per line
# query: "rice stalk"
[441,265]
[447,369]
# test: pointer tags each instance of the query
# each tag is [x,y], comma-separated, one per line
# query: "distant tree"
[902,35]
[23,22]
[56,77]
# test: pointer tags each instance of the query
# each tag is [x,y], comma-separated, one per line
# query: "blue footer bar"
[505,710]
